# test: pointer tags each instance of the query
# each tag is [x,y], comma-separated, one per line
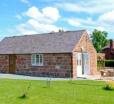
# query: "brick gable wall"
[87,46]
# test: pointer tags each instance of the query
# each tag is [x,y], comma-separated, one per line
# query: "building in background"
[109,50]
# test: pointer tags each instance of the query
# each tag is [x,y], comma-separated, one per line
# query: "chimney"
[111,44]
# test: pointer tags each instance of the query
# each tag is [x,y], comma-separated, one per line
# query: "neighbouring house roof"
[57,42]
[109,45]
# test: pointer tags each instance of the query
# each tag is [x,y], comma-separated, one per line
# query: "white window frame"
[34,60]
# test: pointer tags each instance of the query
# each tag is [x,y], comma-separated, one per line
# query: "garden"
[56,92]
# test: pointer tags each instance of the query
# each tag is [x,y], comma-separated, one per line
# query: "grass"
[60,92]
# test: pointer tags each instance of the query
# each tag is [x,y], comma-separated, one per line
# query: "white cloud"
[88,23]
[100,14]
[100,28]
[104,22]
[25,1]
[39,21]
[107,18]
[32,27]
[71,7]
[46,15]
[33,12]
[80,22]
[91,6]
[41,27]
[74,22]
[51,13]
[22,29]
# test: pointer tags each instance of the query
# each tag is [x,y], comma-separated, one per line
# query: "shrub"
[109,85]
[25,92]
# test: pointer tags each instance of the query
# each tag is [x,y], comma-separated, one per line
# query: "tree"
[99,39]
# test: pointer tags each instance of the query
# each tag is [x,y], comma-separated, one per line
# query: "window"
[37,59]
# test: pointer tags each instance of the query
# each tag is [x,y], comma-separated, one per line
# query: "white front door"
[83,66]
[79,64]
[86,64]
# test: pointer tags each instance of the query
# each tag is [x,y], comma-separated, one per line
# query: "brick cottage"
[109,50]
[56,54]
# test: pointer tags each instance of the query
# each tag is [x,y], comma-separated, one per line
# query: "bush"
[109,63]
[109,85]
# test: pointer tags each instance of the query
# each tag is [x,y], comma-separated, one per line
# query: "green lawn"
[60,92]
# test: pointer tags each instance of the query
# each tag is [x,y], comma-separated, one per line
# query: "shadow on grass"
[46,87]
[22,97]
[71,82]
[107,88]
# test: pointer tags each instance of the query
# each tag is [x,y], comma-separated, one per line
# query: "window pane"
[33,58]
[41,60]
[37,59]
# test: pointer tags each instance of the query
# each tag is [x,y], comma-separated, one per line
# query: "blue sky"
[20,17]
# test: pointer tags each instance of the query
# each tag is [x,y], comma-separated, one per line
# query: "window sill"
[36,65]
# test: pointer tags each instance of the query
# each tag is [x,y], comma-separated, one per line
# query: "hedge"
[109,63]
[105,63]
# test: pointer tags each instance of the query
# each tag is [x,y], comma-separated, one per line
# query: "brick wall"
[55,65]
[4,63]
[85,45]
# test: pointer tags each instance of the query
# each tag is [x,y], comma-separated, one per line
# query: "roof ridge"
[28,35]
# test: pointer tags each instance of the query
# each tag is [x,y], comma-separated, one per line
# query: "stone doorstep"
[90,77]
